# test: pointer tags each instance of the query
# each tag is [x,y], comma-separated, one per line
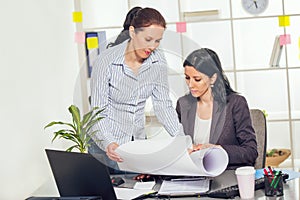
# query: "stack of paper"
[184,187]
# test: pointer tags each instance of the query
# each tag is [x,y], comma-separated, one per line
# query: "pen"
[267,175]
[275,177]
[278,179]
[266,172]
[271,171]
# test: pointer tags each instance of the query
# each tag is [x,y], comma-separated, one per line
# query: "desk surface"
[291,188]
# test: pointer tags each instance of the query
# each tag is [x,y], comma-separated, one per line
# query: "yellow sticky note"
[299,42]
[284,20]
[77,16]
[92,42]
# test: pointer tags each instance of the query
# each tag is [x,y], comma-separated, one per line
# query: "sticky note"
[79,37]
[92,42]
[77,16]
[180,27]
[284,20]
[299,42]
[284,39]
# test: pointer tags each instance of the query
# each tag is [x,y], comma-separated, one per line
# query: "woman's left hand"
[197,147]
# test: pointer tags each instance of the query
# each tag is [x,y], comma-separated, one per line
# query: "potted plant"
[276,156]
[80,130]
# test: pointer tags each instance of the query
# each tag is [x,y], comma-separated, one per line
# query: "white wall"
[39,71]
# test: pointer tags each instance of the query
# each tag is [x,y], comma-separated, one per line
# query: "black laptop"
[80,175]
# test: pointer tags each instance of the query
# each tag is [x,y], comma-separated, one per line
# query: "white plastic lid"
[247,170]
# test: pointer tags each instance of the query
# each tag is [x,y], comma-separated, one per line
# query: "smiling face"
[199,84]
[146,40]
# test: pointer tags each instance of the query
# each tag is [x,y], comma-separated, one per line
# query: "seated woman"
[213,113]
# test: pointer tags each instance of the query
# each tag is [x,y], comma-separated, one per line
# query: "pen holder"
[273,185]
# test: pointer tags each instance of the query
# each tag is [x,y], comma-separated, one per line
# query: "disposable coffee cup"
[246,181]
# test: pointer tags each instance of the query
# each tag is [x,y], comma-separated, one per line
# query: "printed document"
[185,187]
[170,157]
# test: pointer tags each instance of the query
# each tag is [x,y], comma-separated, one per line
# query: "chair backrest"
[259,124]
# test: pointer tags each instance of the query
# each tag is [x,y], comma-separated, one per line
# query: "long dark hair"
[138,18]
[207,62]
[124,34]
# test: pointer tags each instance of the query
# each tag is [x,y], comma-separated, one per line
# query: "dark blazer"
[231,127]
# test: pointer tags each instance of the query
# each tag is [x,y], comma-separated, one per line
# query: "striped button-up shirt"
[123,94]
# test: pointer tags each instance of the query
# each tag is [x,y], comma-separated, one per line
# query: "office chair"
[259,124]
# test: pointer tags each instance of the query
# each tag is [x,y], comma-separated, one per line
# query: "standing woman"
[213,113]
[124,77]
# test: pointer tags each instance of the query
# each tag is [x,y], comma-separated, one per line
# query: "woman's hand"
[110,152]
[197,147]
[143,177]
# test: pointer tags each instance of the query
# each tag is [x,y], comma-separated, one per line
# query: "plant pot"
[276,159]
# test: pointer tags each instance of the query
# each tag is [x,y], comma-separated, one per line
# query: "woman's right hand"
[143,177]
[111,153]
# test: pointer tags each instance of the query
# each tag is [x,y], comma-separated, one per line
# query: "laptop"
[80,175]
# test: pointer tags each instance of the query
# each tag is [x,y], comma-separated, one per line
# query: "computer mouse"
[116,181]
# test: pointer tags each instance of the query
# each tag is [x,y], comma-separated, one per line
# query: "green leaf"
[92,123]
[74,110]
[59,123]
[97,113]
[88,115]
[71,148]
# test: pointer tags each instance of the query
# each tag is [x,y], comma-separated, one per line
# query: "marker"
[267,175]
[278,179]
[276,175]
[266,172]
[271,171]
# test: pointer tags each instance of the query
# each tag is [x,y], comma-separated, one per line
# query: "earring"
[211,85]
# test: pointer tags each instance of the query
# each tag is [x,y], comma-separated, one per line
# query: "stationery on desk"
[274,182]
[291,173]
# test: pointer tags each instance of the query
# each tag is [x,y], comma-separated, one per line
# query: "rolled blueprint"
[170,157]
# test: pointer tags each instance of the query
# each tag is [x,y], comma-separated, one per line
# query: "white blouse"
[201,130]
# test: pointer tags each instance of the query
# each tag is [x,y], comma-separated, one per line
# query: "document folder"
[184,187]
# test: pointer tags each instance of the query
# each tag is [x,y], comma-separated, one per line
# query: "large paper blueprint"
[170,157]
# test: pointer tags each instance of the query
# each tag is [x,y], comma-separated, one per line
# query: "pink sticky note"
[284,39]
[79,37]
[181,27]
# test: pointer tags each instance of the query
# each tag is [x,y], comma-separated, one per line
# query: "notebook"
[80,174]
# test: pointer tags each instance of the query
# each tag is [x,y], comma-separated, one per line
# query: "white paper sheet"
[127,193]
[170,157]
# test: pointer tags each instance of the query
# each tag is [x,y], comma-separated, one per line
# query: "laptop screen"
[80,174]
